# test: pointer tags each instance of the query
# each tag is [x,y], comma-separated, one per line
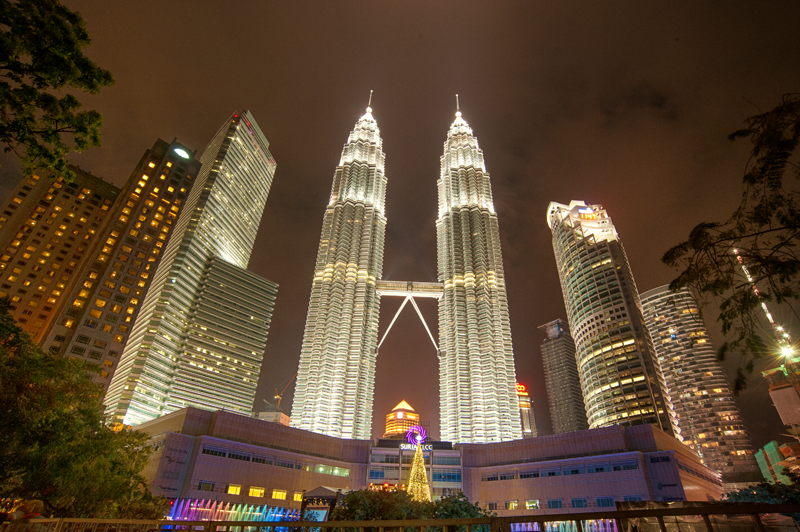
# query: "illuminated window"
[532,504]
[233,489]
[256,492]
[278,494]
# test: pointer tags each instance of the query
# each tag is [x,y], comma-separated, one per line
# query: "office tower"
[620,376]
[708,418]
[95,319]
[401,418]
[477,383]
[201,332]
[336,374]
[526,416]
[46,231]
[567,413]
[784,390]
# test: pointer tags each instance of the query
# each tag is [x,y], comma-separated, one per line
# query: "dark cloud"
[622,103]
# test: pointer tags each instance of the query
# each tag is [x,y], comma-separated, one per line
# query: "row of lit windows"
[253,491]
[575,502]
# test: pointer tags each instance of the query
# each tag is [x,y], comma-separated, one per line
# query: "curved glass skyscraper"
[336,375]
[477,382]
[620,376]
[708,418]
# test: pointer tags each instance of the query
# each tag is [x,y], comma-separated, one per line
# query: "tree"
[366,505]
[770,493]
[763,231]
[41,44]
[54,444]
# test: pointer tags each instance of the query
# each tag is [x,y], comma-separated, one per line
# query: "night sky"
[626,104]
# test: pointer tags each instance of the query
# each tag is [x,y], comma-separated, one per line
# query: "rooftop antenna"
[369,105]
[458,109]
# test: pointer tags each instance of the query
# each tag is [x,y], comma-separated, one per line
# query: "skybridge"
[409,290]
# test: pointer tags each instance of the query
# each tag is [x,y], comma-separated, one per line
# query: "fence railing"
[745,517]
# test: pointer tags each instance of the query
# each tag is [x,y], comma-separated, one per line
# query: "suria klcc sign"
[415,436]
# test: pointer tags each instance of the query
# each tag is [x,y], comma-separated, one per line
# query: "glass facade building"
[477,382]
[708,418]
[564,395]
[191,345]
[341,334]
[620,376]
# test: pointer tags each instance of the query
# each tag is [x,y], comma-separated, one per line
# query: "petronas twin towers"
[336,376]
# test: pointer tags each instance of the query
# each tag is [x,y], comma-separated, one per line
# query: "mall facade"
[243,462]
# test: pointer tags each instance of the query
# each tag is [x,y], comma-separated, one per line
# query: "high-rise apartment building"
[104,298]
[201,332]
[400,420]
[708,418]
[526,415]
[336,374]
[567,413]
[46,231]
[477,382]
[621,379]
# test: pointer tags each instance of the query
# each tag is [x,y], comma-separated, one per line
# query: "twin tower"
[336,376]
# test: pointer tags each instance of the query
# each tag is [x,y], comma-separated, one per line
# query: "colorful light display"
[211,510]
[416,435]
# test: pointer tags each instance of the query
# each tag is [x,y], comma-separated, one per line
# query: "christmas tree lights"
[418,486]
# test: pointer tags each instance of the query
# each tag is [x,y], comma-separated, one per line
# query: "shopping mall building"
[221,460]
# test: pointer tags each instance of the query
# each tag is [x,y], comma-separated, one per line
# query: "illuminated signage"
[592,216]
[413,447]
[521,390]
[416,434]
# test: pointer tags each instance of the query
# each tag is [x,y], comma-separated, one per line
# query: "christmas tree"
[418,479]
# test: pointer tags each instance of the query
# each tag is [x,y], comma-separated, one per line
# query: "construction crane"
[279,396]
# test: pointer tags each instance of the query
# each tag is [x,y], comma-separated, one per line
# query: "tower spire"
[342,352]
[369,104]
[458,108]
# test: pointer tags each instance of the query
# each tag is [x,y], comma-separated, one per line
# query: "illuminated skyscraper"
[621,379]
[477,383]
[567,413]
[336,375]
[46,232]
[401,418]
[526,415]
[708,418]
[200,336]
[103,302]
